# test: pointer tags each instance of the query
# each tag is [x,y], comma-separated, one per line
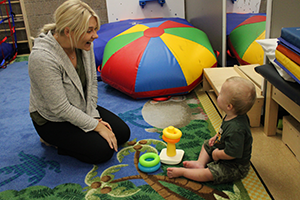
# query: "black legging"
[87,147]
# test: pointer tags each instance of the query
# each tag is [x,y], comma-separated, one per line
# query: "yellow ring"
[172,133]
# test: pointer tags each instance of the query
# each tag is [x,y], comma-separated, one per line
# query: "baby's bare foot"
[192,164]
[174,172]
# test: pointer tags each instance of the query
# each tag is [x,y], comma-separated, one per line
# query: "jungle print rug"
[31,170]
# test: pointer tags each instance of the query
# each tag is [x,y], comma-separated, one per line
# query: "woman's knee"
[123,135]
[99,157]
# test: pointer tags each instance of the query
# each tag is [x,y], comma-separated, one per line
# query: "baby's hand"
[211,141]
[214,155]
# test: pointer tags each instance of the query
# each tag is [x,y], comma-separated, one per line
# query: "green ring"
[150,163]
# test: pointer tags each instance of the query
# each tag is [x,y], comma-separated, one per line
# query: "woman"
[63,93]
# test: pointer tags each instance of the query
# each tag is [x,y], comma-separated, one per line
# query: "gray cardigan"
[55,88]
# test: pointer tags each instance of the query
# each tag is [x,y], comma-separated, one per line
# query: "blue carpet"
[24,161]
[31,170]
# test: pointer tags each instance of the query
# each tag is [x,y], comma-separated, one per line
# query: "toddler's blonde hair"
[242,94]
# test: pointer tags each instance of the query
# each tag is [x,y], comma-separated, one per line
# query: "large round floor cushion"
[157,59]
[242,40]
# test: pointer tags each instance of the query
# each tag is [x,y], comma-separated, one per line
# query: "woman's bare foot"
[174,172]
[192,164]
[47,144]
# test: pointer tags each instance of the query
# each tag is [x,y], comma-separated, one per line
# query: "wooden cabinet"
[213,78]
[291,135]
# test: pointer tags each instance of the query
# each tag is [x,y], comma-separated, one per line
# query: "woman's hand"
[104,129]
[105,124]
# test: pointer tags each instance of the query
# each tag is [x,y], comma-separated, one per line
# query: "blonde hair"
[242,94]
[74,14]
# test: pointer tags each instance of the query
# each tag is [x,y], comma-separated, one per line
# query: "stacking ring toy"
[149,169]
[172,133]
[149,162]
[149,159]
[171,155]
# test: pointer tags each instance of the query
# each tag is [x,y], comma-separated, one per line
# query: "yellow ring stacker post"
[171,155]
[171,136]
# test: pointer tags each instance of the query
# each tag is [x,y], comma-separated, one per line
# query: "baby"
[226,156]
